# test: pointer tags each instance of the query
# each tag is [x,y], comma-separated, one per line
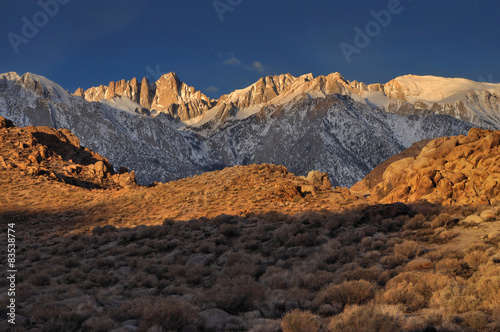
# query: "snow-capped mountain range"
[464,99]
[167,130]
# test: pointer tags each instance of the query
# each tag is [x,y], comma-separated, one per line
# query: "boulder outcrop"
[58,155]
[463,170]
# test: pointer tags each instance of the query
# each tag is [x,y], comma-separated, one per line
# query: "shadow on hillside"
[77,182]
[66,149]
[93,216]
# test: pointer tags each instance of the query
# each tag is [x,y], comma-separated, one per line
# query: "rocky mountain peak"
[176,98]
[263,91]
[79,92]
[145,94]
[110,92]
[337,76]
[38,85]
[394,89]
[167,95]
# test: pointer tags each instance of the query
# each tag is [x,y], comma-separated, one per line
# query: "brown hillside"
[45,170]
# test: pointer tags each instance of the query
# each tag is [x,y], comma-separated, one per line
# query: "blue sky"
[87,43]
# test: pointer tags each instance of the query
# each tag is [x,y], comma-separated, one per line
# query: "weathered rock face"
[319,179]
[129,89]
[110,92]
[178,99]
[167,95]
[263,91]
[79,92]
[145,96]
[375,176]
[461,169]
[134,90]
[57,154]
[5,123]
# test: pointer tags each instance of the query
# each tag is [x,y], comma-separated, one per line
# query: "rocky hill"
[56,155]
[447,170]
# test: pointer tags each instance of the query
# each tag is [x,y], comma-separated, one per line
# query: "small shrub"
[406,294]
[391,225]
[32,255]
[476,259]
[457,298]
[392,261]
[444,220]
[443,236]
[371,274]
[76,246]
[453,267]
[419,264]
[195,274]
[413,290]
[364,319]
[317,280]
[237,295]
[98,324]
[299,321]
[410,249]
[330,309]
[350,292]
[415,223]
[487,288]
[427,210]
[47,312]
[229,230]
[303,239]
[476,247]
[265,325]
[169,313]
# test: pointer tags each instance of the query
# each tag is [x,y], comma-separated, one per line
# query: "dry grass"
[299,321]
[261,268]
[364,319]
